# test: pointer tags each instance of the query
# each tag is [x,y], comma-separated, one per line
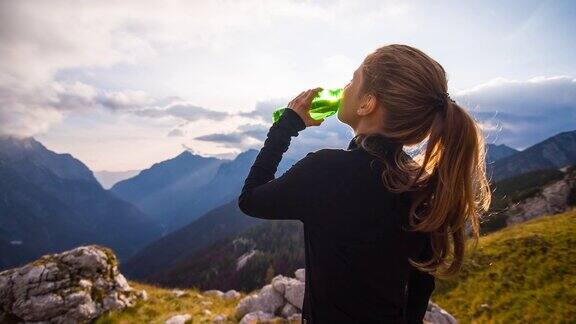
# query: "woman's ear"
[368,105]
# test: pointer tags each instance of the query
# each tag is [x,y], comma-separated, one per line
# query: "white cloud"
[43,41]
[30,111]
[20,120]
[332,133]
[531,96]
[176,133]
[198,67]
[41,38]
[127,99]
[523,112]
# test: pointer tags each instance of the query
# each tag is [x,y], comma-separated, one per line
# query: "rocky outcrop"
[281,301]
[552,199]
[436,315]
[75,286]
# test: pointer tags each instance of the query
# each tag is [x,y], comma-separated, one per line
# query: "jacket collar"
[382,141]
[352,144]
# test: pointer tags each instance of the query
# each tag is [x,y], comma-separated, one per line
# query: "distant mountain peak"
[501,146]
[499,151]
[248,154]
[64,165]
[163,188]
[189,155]
[9,143]
[186,155]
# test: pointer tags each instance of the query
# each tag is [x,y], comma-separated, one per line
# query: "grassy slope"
[523,273]
[163,304]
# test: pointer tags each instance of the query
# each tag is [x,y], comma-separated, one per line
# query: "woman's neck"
[368,126]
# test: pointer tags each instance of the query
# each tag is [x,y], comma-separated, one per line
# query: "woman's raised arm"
[289,196]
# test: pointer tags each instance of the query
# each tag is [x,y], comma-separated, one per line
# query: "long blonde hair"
[448,181]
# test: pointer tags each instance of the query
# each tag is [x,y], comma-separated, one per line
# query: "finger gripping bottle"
[325,104]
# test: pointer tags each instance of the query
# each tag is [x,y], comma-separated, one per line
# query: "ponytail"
[447,181]
[457,191]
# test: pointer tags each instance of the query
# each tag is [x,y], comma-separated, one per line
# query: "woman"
[378,225]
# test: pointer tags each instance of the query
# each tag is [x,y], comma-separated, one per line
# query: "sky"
[122,85]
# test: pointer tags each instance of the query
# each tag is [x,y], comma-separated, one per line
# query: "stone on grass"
[436,315]
[178,319]
[256,317]
[214,293]
[231,294]
[178,292]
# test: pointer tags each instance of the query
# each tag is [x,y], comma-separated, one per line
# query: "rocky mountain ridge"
[553,198]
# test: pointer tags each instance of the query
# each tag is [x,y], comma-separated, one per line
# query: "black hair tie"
[441,101]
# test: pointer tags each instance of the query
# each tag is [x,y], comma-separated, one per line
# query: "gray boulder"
[436,315]
[267,300]
[300,274]
[75,286]
[283,298]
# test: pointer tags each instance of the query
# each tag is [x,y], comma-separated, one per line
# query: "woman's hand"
[301,105]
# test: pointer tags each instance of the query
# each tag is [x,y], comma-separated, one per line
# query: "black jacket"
[356,251]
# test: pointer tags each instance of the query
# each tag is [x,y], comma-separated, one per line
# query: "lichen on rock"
[74,286]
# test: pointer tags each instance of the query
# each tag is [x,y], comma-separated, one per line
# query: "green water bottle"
[326,103]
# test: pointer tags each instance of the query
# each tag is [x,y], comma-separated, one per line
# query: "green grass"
[163,304]
[525,273]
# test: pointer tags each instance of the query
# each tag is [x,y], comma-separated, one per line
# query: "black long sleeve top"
[356,245]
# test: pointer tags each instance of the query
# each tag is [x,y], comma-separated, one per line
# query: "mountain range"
[496,152]
[246,258]
[162,190]
[164,218]
[194,254]
[180,190]
[553,153]
[51,202]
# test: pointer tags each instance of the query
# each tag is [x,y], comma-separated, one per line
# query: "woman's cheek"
[345,98]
